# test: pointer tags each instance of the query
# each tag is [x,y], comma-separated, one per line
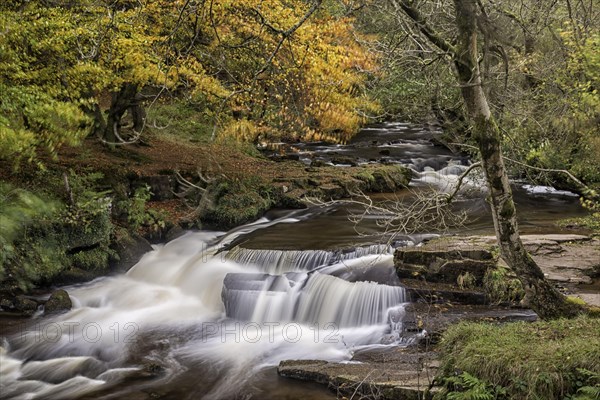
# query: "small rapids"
[205,315]
[189,304]
[281,261]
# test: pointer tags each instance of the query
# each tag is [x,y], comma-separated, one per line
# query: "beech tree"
[256,67]
[465,51]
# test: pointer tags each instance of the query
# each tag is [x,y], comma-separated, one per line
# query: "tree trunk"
[541,296]
[121,102]
[138,115]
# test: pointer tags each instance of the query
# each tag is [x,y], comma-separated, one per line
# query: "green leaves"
[468,387]
[18,210]
[31,120]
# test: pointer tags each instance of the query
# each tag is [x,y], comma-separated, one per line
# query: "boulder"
[445,260]
[58,302]
[25,305]
[130,248]
[173,233]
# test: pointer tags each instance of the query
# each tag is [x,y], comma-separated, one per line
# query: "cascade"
[211,314]
[281,261]
[317,299]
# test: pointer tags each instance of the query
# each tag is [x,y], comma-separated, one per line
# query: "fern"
[587,393]
[591,388]
[468,387]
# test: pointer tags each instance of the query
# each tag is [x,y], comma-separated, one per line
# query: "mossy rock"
[25,305]
[292,199]
[365,176]
[236,208]
[129,248]
[96,231]
[58,302]
[385,178]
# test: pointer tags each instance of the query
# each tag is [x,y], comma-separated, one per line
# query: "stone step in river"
[212,314]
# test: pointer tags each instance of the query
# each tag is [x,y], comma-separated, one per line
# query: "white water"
[169,310]
[282,261]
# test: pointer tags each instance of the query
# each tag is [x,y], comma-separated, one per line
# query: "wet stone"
[58,302]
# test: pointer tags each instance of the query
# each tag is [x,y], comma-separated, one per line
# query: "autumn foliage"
[71,68]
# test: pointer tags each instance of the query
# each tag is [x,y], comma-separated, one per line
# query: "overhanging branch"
[415,15]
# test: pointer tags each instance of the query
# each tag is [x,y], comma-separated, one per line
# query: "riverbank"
[105,207]
[466,332]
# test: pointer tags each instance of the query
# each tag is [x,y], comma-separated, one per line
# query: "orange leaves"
[248,60]
[284,82]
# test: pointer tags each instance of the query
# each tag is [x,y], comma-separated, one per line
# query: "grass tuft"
[541,360]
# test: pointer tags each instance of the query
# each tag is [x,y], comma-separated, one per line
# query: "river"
[211,314]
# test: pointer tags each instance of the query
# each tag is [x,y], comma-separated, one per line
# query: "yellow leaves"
[240,130]
[314,76]
[209,85]
[309,81]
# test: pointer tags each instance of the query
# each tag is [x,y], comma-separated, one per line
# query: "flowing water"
[210,314]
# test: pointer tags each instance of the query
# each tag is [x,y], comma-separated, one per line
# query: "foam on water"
[178,287]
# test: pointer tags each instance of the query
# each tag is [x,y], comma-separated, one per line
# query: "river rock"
[444,260]
[130,248]
[432,292]
[58,302]
[434,319]
[25,305]
[330,191]
[6,304]
[396,373]
[344,160]
[569,260]
[389,178]
[173,233]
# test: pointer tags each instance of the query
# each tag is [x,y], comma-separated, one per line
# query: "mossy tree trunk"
[541,295]
[125,99]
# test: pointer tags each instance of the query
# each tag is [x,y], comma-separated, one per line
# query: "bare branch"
[582,186]
[425,211]
[414,14]
[284,34]
[460,180]
[122,142]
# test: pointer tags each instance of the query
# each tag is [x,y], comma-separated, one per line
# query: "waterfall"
[313,302]
[314,299]
[282,261]
[329,299]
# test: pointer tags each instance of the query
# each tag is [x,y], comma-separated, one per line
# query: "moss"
[591,222]
[97,231]
[365,176]
[238,202]
[63,237]
[508,209]
[182,119]
[502,286]
[91,260]
[385,178]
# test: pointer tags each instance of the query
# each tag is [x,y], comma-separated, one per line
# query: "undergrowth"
[542,360]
